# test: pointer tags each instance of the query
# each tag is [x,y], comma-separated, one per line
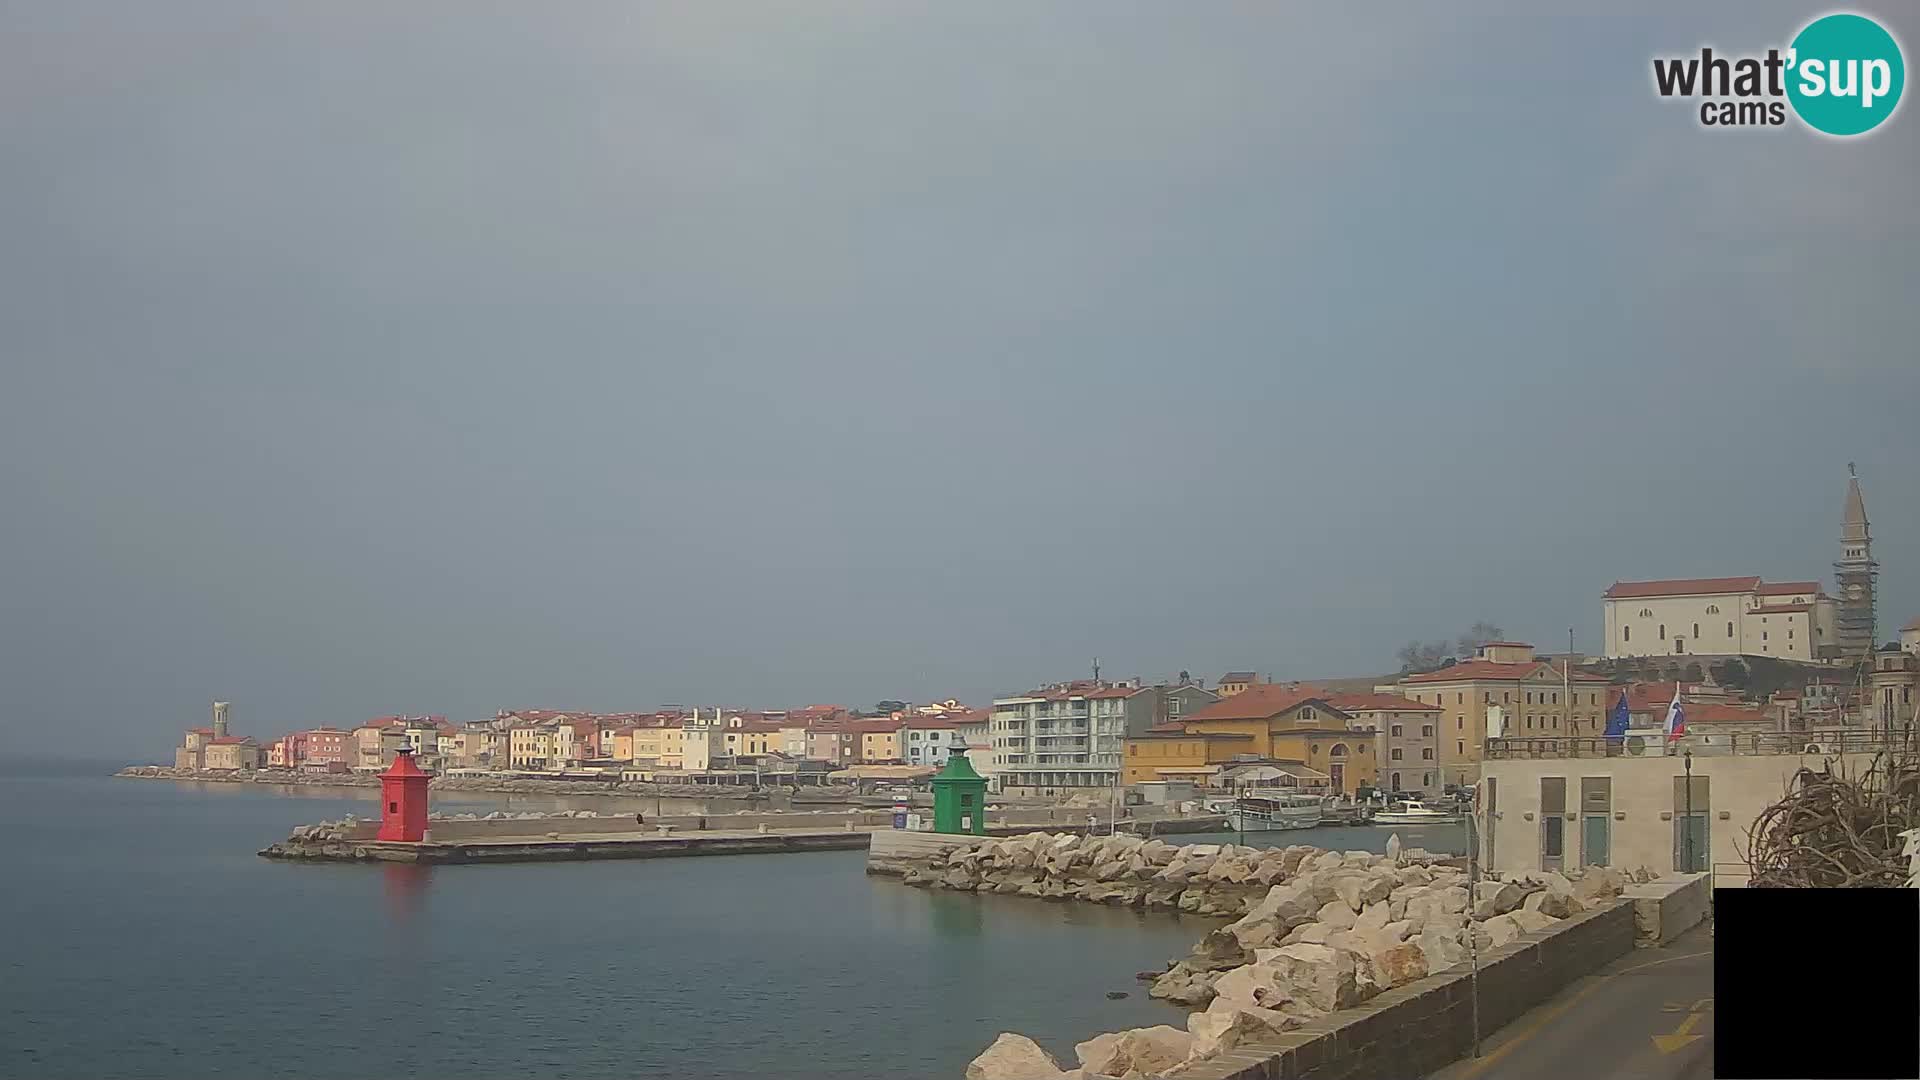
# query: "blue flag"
[1617,719]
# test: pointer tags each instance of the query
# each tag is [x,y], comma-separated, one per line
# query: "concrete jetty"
[579,839]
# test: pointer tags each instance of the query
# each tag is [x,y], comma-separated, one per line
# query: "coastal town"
[1764,673]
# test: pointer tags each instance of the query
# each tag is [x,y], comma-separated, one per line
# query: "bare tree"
[1477,635]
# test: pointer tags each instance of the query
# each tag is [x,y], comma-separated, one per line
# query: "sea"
[146,939]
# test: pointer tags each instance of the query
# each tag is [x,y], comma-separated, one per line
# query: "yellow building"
[879,742]
[232,752]
[529,746]
[1263,722]
[1533,699]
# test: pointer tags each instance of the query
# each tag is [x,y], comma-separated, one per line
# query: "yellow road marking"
[1681,1036]
[1532,1027]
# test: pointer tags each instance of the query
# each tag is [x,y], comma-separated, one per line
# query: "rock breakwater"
[1316,932]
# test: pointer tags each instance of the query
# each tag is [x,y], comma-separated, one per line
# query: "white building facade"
[1060,739]
[1739,616]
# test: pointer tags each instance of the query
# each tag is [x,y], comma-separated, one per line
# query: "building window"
[1729,629]
[1626,633]
[1712,609]
[1663,631]
[1529,697]
[1426,779]
[1306,713]
[1696,629]
[1427,730]
[1396,731]
[1427,753]
[1461,747]
[1646,613]
[1763,635]
[1394,753]
[1789,635]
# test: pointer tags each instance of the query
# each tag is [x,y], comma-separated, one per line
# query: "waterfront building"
[376,741]
[703,739]
[1061,739]
[530,744]
[930,739]
[1267,723]
[1910,637]
[1792,620]
[878,739]
[753,734]
[1553,804]
[1506,682]
[1406,738]
[232,752]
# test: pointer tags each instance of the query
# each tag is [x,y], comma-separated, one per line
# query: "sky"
[363,358]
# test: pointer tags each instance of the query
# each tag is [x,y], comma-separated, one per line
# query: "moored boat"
[1414,812]
[1251,813]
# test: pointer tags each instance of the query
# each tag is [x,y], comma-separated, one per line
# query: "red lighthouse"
[403,793]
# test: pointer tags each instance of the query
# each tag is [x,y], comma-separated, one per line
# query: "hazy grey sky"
[363,358]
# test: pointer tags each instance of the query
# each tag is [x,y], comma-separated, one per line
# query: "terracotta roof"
[231,740]
[1239,676]
[930,723]
[201,730]
[1501,671]
[1784,588]
[1175,731]
[1378,703]
[1780,609]
[1681,587]
[1508,645]
[1259,702]
[1079,688]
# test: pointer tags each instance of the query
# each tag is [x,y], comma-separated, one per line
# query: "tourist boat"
[1263,813]
[1414,812]
[1339,812]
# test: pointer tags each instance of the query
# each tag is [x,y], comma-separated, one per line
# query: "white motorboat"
[1269,813]
[1415,812]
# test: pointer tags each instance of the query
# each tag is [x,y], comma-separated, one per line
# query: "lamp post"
[1473,947]
[1686,828]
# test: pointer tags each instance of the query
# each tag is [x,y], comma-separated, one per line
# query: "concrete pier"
[582,839]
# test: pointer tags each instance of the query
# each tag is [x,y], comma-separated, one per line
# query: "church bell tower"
[1854,574]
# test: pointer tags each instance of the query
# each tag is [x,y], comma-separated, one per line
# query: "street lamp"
[1686,827]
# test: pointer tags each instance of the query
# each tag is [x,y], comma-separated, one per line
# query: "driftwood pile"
[1840,829]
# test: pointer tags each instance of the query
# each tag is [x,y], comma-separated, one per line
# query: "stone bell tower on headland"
[1854,574]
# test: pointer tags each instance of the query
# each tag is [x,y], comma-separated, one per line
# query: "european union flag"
[1617,719]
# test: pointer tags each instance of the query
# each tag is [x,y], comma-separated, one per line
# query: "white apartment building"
[1744,616]
[1060,739]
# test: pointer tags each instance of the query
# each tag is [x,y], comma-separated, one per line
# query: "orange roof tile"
[1787,588]
[1378,703]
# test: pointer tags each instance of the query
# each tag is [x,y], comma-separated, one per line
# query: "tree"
[1477,635]
[1693,674]
[1420,656]
[883,708]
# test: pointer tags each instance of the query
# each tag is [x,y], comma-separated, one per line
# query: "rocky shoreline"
[468,783]
[1317,932]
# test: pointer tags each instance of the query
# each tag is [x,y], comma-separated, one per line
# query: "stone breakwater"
[822,794]
[1317,932]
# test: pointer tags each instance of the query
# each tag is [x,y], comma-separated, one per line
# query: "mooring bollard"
[764,829]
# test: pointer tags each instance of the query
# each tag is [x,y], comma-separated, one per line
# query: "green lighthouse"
[959,797]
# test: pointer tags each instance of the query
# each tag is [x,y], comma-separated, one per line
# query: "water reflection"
[405,886]
[956,914]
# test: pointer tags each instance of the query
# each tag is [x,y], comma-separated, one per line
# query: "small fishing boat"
[1415,812]
[1262,813]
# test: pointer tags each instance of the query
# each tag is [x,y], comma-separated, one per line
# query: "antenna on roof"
[1096,669]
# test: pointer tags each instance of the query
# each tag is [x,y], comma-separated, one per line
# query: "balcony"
[1709,744]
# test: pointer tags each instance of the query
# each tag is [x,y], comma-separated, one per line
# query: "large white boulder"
[1338,915]
[1141,1051]
[1442,948]
[1216,1030]
[1320,975]
[1491,898]
[1014,1057]
[1259,985]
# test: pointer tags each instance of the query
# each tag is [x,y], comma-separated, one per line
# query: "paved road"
[1646,1016]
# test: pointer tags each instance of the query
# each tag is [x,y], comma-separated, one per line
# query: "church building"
[1747,616]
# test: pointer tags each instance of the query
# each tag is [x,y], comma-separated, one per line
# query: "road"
[1646,1016]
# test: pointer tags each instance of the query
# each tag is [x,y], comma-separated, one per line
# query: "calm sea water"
[146,939]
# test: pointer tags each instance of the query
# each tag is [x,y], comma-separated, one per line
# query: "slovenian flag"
[1618,719]
[1676,717]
